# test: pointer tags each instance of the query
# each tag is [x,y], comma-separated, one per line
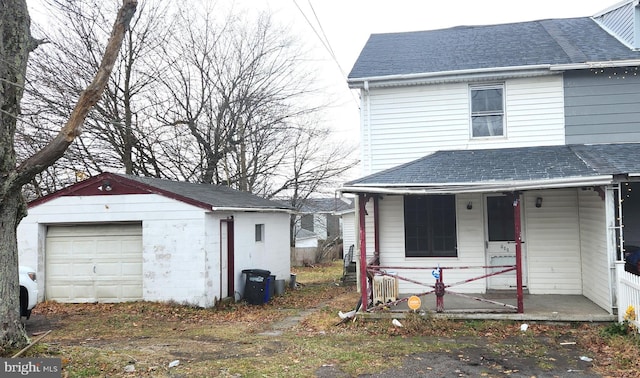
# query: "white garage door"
[98,263]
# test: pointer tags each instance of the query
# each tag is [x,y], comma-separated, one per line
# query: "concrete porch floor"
[563,308]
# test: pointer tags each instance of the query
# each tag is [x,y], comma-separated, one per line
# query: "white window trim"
[502,86]
[262,232]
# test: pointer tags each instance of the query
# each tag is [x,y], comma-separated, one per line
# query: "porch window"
[487,111]
[430,226]
[501,218]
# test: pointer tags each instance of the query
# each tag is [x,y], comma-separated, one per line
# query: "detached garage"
[115,238]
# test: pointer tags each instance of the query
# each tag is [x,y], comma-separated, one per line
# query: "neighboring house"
[348,224]
[114,238]
[320,216]
[473,133]
[306,239]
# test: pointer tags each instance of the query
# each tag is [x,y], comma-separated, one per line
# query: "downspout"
[366,125]
[518,231]
[376,229]
[362,200]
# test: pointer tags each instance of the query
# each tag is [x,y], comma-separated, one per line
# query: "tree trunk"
[12,334]
[15,44]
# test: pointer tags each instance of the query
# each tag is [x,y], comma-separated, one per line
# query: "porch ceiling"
[506,169]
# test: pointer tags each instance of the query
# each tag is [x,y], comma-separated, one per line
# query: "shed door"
[97,263]
[500,242]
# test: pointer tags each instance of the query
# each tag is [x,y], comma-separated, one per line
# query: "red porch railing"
[440,288]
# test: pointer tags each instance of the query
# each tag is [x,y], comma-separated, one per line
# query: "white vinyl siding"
[405,123]
[349,232]
[470,251]
[552,241]
[593,245]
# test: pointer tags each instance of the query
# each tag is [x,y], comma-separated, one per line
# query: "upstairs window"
[487,111]
[430,226]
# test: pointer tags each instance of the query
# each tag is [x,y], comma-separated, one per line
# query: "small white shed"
[114,238]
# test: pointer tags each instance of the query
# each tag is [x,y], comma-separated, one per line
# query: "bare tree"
[14,55]
[237,86]
[314,166]
[213,99]
[119,136]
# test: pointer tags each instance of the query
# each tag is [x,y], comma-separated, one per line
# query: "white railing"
[628,293]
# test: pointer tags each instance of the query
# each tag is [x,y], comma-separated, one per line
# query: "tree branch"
[88,98]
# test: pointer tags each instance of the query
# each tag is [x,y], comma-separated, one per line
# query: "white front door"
[500,242]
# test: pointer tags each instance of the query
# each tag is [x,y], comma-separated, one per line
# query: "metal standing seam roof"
[489,166]
[533,43]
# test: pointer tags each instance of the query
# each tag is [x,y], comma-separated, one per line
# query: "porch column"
[362,201]
[376,229]
[518,231]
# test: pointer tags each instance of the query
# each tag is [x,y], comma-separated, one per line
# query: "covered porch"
[558,262]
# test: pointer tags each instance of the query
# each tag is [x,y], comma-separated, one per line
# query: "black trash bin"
[256,288]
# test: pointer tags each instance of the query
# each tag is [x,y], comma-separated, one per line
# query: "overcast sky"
[347,24]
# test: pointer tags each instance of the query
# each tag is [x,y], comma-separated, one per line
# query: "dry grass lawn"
[143,339]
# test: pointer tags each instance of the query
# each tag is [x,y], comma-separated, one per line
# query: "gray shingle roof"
[324,205]
[611,159]
[509,164]
[212,195]
[555,41]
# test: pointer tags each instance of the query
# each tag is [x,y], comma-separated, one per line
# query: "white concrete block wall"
[181,242]
[174,260]
[272,254]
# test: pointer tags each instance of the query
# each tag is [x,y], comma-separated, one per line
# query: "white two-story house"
[504,148]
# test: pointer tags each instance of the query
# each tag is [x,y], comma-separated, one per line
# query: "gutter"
[499,186]
[482,73]
[253,209]
[540,69]
[588,65]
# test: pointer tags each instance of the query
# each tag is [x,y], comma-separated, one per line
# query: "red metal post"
[362,201]
[440,292]
[518,229]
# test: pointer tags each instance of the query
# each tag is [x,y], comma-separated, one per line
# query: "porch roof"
[505,169]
